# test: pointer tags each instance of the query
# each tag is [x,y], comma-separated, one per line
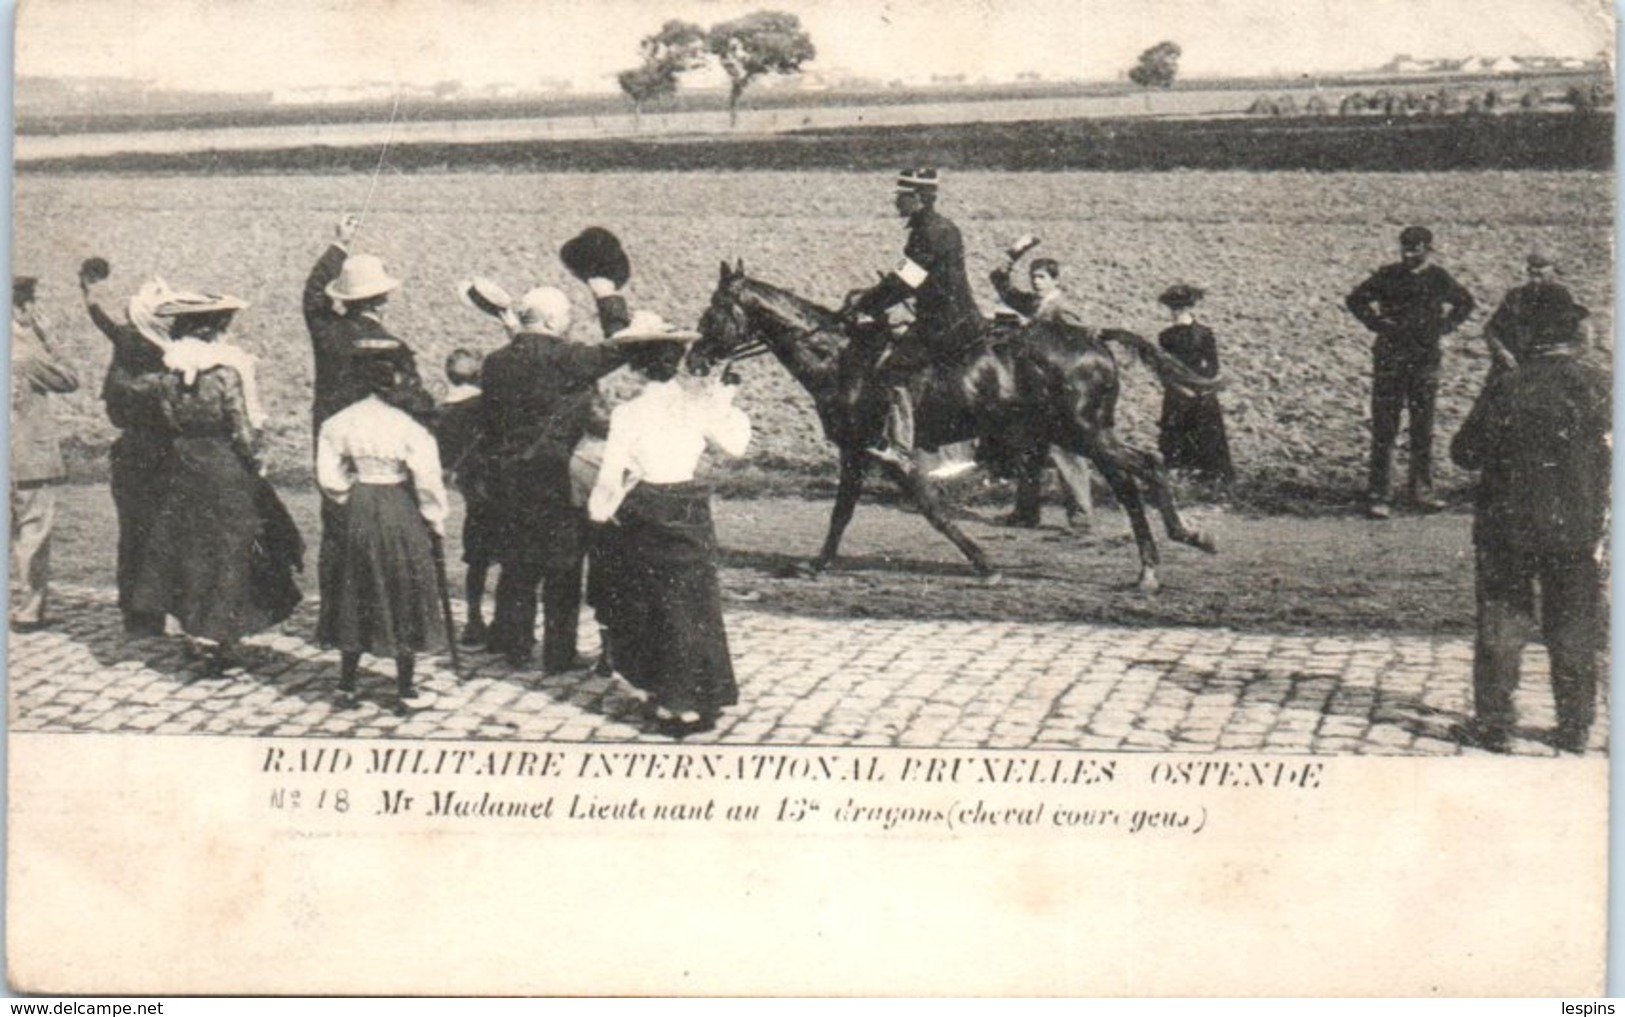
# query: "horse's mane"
[789,306]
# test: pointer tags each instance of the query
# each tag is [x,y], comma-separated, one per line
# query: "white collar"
[462,393]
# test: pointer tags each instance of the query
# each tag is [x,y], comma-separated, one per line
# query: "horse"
[1054,383]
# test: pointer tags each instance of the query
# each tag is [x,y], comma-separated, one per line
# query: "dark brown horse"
[1052,384]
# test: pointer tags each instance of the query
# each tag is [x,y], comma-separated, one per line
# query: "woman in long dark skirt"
[655,558]
[1192,426]
[382,469]
[222,550]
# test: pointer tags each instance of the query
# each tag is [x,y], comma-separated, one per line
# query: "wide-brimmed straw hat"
[484,296]
[362,276]
[179,304]
[649,327]
[921,180]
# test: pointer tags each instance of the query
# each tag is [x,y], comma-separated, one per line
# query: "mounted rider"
[947,320]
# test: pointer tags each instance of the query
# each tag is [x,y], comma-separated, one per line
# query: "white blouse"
[659,437]
[372,442]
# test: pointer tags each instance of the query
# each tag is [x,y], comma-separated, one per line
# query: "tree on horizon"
[1158,66]
[764,42]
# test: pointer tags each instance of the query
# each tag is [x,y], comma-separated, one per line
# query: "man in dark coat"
[36,454]
[538,393]
[139,458]
[1404,304]
[343,301]
[947,320]
[1540,435]
[1540,313]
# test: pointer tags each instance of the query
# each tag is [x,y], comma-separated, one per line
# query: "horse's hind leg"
[924,495]
[853,467]
[1147,466]
[1127,492]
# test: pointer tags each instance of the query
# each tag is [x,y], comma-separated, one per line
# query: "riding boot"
[897,445]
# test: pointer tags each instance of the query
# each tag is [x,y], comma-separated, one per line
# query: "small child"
[1192,426]
[458,434]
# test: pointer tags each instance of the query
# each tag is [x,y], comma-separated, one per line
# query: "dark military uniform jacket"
[946,318]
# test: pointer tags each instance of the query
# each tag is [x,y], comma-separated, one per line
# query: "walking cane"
[445,602]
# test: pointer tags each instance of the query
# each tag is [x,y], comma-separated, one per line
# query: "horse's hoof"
[810,569]
[994,578]
[1204,542]
[1148,582]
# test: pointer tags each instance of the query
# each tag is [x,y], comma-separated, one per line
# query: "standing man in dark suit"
[1540,435]
[1405,305]
[36,455]
[946,318]
[537,398]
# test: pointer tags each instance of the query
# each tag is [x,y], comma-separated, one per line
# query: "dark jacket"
[458,432]
[1406,309]
[1539,434]
[536,405]
[130,388]
[332,339]
[1537,314]
[946,318]
[538,393]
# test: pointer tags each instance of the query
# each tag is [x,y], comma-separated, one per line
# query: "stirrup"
[951,469]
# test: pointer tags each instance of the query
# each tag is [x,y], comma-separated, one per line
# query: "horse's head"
[725,326]
[748,316]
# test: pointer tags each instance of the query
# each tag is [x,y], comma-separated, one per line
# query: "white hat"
[178,304]
[361,277]
[544,306]
[647,326]
[484,296]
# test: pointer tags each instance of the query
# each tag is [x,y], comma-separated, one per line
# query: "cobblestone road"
[805,681]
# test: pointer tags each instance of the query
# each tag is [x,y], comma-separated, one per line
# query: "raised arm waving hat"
[484,296]
[596,253]
[649,327]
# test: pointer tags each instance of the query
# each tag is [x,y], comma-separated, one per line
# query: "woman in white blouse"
[382,469]
[661,602]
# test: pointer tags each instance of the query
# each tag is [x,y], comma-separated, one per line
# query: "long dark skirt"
[216,557]
[380,593]
[140,468]
[1193,436]
[655,584]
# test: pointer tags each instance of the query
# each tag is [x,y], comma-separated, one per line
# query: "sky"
[270,44]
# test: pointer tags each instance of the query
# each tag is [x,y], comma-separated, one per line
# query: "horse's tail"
[1170,370]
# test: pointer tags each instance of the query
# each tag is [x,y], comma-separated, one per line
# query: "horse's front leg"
[924,494]
[854,465]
